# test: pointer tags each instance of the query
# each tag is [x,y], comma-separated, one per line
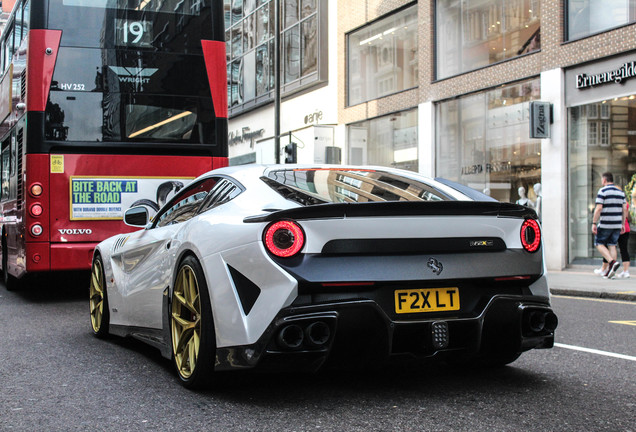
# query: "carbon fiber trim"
[399,208]
[414,245]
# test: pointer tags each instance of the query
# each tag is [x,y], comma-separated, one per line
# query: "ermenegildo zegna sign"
[540,119]
[601,80]
[627,70]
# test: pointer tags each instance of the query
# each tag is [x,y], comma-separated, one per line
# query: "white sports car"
[301,267]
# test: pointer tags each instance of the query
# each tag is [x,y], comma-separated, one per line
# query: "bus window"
[6,167]
[138,24]
[25,19]
[8,48]
[13,154]
[13,187]
[74,116]
[18,27]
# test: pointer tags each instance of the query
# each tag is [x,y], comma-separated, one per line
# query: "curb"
[594,294]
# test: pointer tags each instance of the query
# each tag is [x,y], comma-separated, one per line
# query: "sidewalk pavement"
[581,281]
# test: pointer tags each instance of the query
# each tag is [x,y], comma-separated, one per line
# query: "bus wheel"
[11,283]
[100,317]
[192,327]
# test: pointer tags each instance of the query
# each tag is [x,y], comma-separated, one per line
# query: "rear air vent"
[20,142]
[23,85]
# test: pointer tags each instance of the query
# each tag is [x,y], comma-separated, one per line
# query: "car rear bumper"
[355,333]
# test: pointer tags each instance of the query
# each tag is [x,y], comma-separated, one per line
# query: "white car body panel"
[141,267]
[278,289]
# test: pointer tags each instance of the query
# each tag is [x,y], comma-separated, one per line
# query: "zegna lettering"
[86,231]
[626,71]
[541,117]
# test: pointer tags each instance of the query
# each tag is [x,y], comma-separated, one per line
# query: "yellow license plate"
[426,300]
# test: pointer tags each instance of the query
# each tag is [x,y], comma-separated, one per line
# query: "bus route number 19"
[134,33]
[135,28]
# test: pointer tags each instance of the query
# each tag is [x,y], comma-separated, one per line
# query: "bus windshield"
[171,6]
[133,72]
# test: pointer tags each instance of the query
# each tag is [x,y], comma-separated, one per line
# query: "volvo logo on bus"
[86,231]
[134,75]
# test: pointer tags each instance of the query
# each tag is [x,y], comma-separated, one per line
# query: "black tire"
[98,299]
[5,267]
[11,283]
[191,322]
[2,249]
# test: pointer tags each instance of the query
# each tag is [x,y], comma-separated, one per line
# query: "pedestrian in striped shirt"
[608,221]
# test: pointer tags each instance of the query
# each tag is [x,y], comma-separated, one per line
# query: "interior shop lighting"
[378,36]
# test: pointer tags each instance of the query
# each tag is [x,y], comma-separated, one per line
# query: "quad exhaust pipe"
[539,320]
[317,333]
[290,337]
[313,335]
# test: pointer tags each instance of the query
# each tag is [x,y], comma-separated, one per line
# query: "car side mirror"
[136,216]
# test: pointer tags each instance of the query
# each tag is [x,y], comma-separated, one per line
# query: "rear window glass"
[319,186]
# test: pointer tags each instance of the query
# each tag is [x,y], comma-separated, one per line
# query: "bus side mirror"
[136,216]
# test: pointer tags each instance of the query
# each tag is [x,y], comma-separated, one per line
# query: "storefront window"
[387,141]
[586,17]
[483,142]
[476,33]
[250,49]
[382,57]
[600,139]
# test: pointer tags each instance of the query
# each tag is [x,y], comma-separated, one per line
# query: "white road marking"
[631,323]
[627,302]
[595,351]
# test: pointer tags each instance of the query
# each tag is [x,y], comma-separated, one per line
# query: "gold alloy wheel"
[185,322]
[97,295]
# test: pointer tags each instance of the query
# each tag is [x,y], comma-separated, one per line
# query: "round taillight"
[36,210]
[530,235]
[36,229]
[36,189]
[284,239]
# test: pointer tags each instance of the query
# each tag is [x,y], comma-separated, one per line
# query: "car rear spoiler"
[397,208]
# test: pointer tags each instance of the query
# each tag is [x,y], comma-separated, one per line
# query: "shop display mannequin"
[537,205]
[523,199]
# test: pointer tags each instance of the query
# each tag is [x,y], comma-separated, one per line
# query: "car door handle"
[168,245]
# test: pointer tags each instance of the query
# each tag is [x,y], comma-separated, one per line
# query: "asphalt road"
[55,376]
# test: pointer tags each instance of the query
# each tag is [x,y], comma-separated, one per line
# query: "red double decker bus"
[105,104]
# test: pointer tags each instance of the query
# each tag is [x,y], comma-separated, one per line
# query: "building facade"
[444,88]
[309,106]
